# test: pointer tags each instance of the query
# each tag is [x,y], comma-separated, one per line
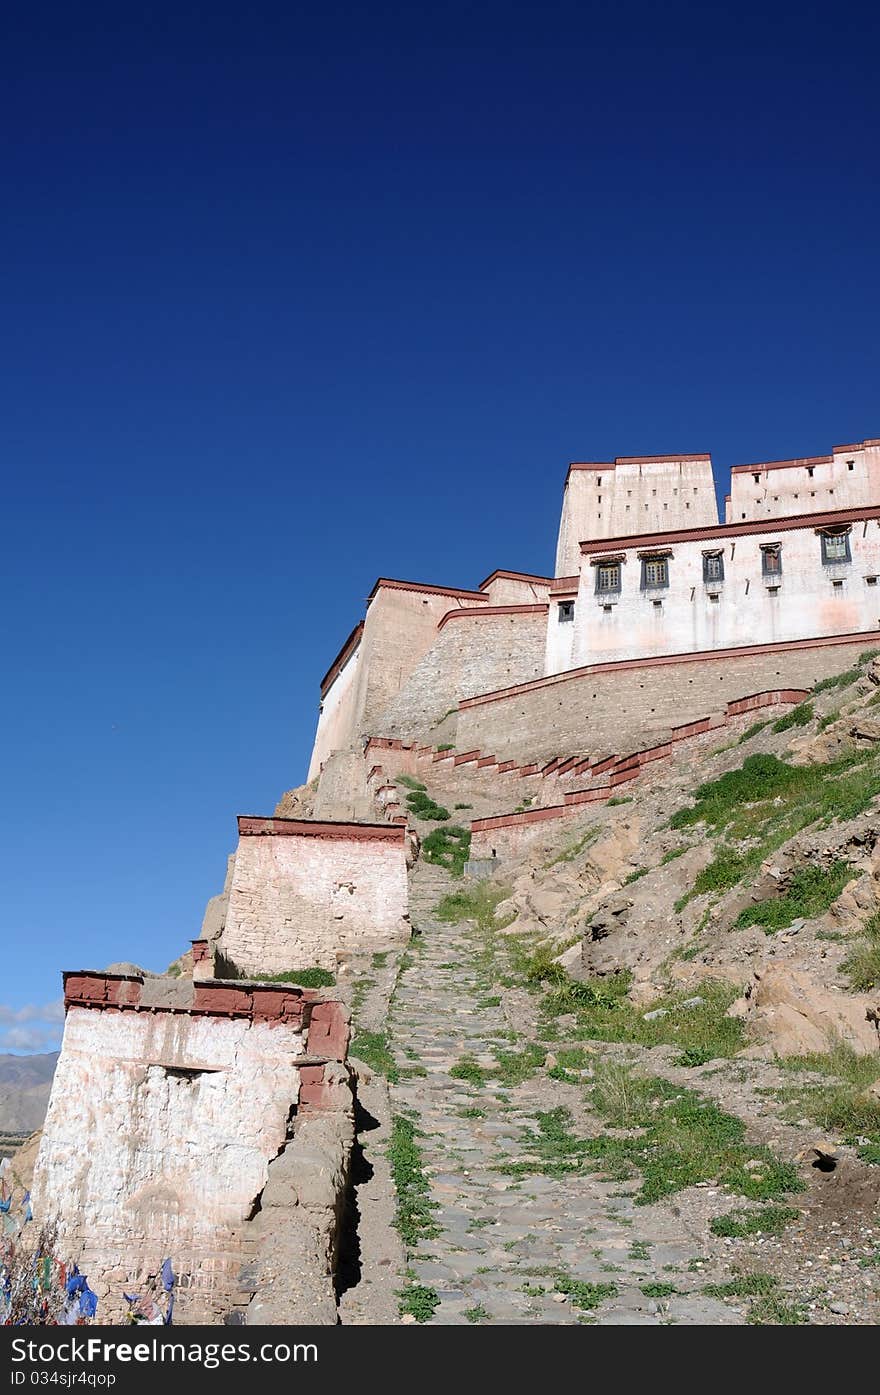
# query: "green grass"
[683,1139]
[739,1225]
[411,782]
[800,716]
[809,893]
[448,847]
[414,1219]
[424,807]
[447,745]
[773,1311]
[838,680]
[658,1290]
[862,965]
[618,799]
[373,1049]
[635,876]
[604,1013]
[841,1107]
[475,903]
[765,802]
[752,731]
[305,978]
[470,1070]
[583,1295]
[745,1286]
[828,719]
[464,806]
[575,849]
[511,1068]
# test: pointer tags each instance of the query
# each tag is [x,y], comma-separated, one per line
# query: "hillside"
[634,1074]
[25,1082]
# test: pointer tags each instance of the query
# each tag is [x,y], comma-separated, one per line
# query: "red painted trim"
[797,463]
[786,524]
[658,661]
[564,584]
[514,576]
[540,608]
[388,583]
[341,658]
[250,826]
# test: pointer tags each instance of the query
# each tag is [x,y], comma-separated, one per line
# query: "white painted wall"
[807,604]
[633,496]
[847,479]
[560,638]
[335,719]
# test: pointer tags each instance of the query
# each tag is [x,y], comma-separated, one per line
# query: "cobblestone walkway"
[518,1249]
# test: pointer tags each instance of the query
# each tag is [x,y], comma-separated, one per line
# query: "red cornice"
[540,607]
[342,657]
[515,576]
[564,584]
[391,584]
[801,461]
[250,825]
[633,460]
[784,524]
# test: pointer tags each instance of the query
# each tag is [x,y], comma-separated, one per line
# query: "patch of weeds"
[752,731]
[692,1058]
[419,1302]
[682,1139]
[837,680]
[673,854]
[411,1072]
[635,876]
[472,1113]
[380,959]
[411,783]
[744,1286]
[533,1290]
[826,721]
[448,847]
[555,1147]
[842,1106]
[683,901]
[658,1290]
[618,799]
[574,849]
[799,716]
[773,1311]
[870,1261]
[464,806]
[470,1070]
[447,745]
[474,903]
[477,1314]
[809,893]
[424,807]
[738,1225]
[373,1048]
[516,1066]
[605,1013]
[492,1002]
[305,978]
[862,964]
[640,1249]
[582,1295]
[173,971]
[413,1220]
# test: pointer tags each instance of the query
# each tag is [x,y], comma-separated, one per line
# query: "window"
[757,479]
[835,547]
[850,464]
[771,559]
[713,566]
[607,578]
[655,572]
[565,611]
[810,471]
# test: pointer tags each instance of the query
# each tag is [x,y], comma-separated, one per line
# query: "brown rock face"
[788,1011]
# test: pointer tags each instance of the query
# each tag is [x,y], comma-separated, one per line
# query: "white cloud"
[30,1038]
[33,1012]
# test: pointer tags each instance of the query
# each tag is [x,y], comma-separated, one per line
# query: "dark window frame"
[564,612]
[771,550]
[615,588]
[655,585]
[847,553]
[710,558]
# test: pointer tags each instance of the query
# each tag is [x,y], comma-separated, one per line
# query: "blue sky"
[294,297]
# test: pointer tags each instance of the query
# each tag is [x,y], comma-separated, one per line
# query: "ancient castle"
[208,1115]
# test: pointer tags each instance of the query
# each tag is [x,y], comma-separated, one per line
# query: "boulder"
[786,1010]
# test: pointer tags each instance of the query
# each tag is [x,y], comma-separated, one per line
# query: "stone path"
[508,1245]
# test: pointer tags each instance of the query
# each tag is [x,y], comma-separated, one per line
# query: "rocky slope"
[25,1082]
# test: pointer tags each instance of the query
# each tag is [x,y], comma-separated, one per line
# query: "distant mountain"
[25,1082]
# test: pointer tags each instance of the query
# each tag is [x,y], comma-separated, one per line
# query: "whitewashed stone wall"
[306,894]
[158,1137]
[848,478]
